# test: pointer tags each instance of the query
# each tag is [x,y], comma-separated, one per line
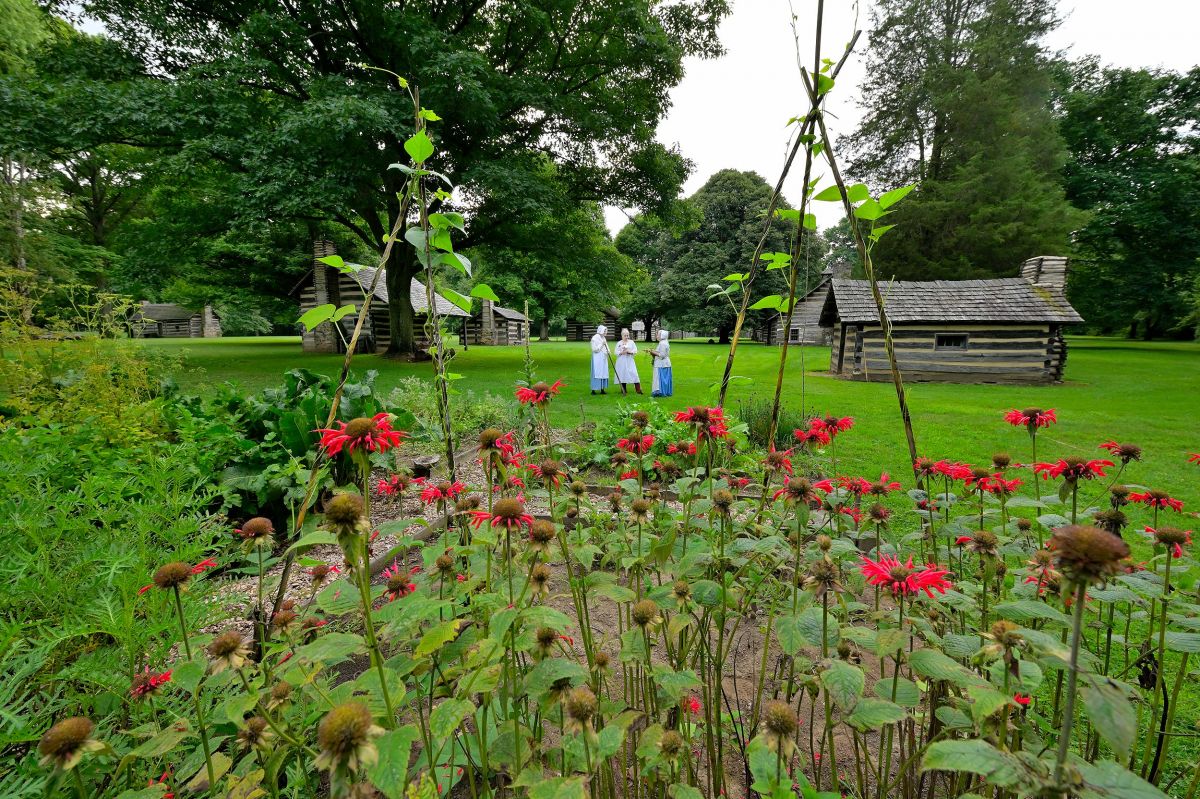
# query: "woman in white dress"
[600,357]
[626,364]
[662,385]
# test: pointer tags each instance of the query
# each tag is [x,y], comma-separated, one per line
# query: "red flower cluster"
[812,436]
[1072,470]
[636,446]
[832,425]
[1174,546]
[442,492]
[398,588]
[1194,458]
[536,470]
[370,435]
[883,486]
[709,422]
[904,578]
[1031,418]
[538,393]
[148,682]
[507,513]
[1157,499]
[952,469]
[998,486]
[390,486]
[778,460]
[682,448]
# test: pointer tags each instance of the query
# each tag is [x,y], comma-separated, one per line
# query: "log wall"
[993,353]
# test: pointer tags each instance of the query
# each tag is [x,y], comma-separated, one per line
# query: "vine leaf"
[418,147]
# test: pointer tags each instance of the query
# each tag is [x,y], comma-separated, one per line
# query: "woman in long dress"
[600,356]
[626,364]
[663,384]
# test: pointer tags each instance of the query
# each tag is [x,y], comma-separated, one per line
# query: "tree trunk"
[723,335]
[544,329]
[649,322]
[402,267]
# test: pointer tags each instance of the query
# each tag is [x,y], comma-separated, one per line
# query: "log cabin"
[165,320]
[492,324]
[1004,330]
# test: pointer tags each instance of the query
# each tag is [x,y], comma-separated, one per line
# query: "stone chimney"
[1047,271]
[841,270]
[210,325]
[325,291]
[487,321]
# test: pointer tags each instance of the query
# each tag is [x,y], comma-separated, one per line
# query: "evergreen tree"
[958,100]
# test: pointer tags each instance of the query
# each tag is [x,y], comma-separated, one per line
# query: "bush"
[755,412]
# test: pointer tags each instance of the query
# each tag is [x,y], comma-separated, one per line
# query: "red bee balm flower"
[148,683]
[441,492]
[368,435]
[508,513]
[398,585]
[884,486]
[953,470]
[1031,418]
[636,446]
[709,422]
[904,578]
[539,393]
[1072,469]
[1172,538]
[1194,458]
[1157,499]
[682,448]
[832,425]
[816,437]
[1022,700]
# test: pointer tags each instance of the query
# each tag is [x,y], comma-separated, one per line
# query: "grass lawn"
[1148,394]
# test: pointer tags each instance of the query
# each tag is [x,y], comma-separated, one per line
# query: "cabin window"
[950,341]
[794,334]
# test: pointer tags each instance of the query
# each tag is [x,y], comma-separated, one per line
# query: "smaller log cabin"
[164,320]
[495,325]
[806,325]
[324,285]
[1006,330]
[584,329]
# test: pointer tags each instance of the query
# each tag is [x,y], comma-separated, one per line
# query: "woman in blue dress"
[663,384]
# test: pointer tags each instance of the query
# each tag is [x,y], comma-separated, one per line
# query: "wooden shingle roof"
[163,311]
[509,313]
[1004,300]
[416,293]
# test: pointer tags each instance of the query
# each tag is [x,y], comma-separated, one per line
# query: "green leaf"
[460,300]
[163,742]
[985,701]
[858,193]
[446,717]
[484,292]
[736,277]
[810,221]
[559,788]
[935,665]
[1030,610]
[1111,712]
[430,115]
[769,301]
[188,674]
[319,538]
[456,261]
[1183,642]
[315,316]
[824,84]
[332,648]
[549,671]
[681,791]
[418,147]
[890,198]
[791,637]
[907,692]
[437,637]
[844,683]
[390,772]
[871,714]
[342,312]
[333,260]
[975,757]
[828,195]
[869,210]
[1109,780]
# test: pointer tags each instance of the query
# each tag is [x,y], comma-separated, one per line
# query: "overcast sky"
[732,111]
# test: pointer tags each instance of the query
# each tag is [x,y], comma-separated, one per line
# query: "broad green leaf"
[791,638]
[342,312]
[736,277]
[430,115]
[484,292]
[320,537]
[871,714]
[446,717]
[559,788]
[1183,642]
[418,147]
[456,260]
[890,198]
[975,757]
[460,300]
[247,789]
[858,193]
[769,301]
[163,742]
[188,674]
[681,791]
[1109,780]
[437,637]
[551,670]
[672,685]
[1028,610]
[332,260]
[332,648]
[869,210]
[810,221]
[985,701]
[315,316]
[824,84]
[844,683]
[935,665]
[907,692]
[390,772]
[1111,712]
[828,195]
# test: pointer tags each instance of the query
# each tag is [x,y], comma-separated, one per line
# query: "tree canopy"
[296,103]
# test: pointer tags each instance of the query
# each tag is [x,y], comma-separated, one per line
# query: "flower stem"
[1064,740]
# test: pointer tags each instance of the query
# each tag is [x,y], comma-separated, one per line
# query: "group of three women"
[626,365]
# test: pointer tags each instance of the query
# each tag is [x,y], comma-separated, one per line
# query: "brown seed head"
[779,719]
[510,509]
[360,427]
[281,691]
[63,741]
[172,575]
[1112,520]
[258,528]
[344,510]
[602,660]
[540,575]
[226,644]
[682,590]
[252,734]
[578,488]
[722,500]
[1087,554]
[546,636]
[488,438]
[1171,536]
[843,649]
[343,730]
[1024,524]
[644,612]
[444,564]
[639,419]
[824,542]
[1001,460]
[581,704]
[671,743]
[542,532]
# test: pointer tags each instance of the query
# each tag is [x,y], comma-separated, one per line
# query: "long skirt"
[599,383]
[663,384]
